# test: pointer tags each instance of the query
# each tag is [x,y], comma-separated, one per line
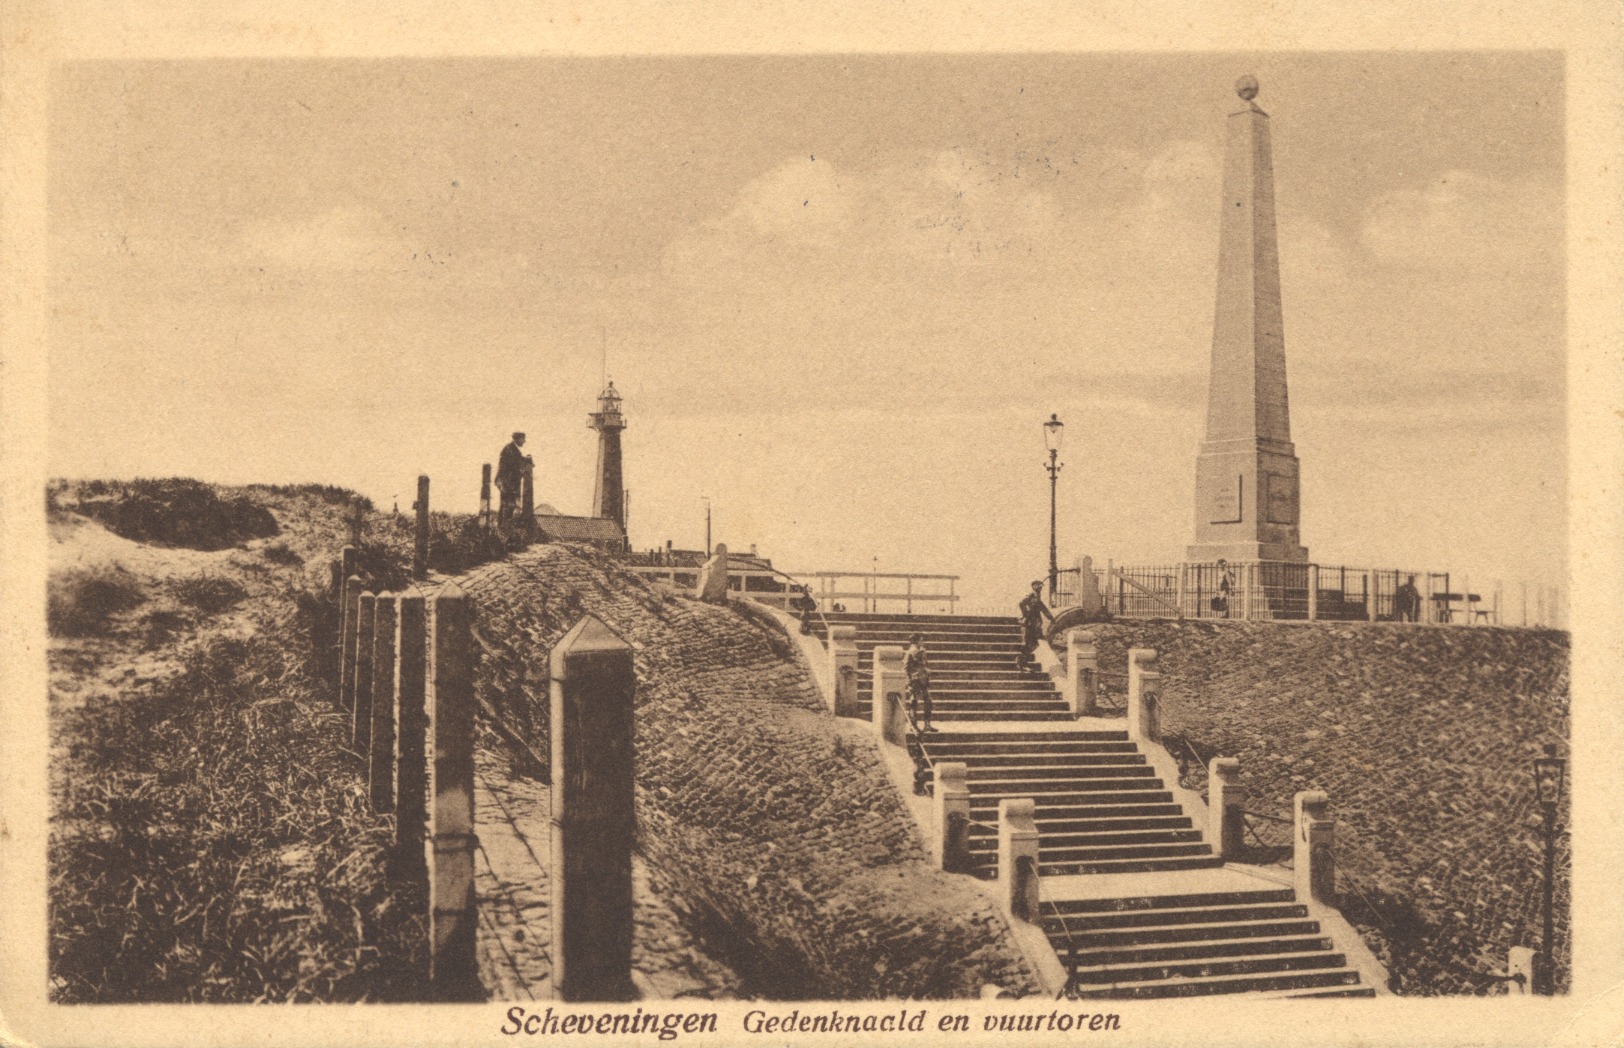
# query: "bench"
[1446,606]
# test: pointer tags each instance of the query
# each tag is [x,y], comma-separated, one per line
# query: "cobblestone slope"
[1423,738]
[796,861]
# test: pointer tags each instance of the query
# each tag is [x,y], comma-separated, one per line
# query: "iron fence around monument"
[1282,591]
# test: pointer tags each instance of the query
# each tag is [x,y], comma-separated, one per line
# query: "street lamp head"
[1053,432]
[1549,772]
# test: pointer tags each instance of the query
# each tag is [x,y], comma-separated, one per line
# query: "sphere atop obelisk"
[1246,87]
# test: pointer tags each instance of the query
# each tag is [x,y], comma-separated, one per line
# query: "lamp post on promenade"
[1053,433]
[1548,774]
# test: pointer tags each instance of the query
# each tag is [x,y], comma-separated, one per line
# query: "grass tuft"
[83,603]
[209,594]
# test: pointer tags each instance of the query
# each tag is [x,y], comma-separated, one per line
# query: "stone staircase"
[972,665]
[1193,945]
[1100,806]
[1132,892]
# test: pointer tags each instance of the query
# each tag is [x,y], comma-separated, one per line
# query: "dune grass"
[213,843]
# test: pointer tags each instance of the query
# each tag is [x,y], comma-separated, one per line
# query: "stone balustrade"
[1314,847]
[1082,672]
[950,810]
[889,684]
[1226,800]
[1018,858]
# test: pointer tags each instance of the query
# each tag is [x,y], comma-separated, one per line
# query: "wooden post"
[449,850]
[527,501]
[593,817]
[420,553]
[361,723]
[381,739]
[485,495]
[411,731]
[1226,799]
[349,632]
[950,808]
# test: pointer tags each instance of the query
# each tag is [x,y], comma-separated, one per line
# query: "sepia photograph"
[785,548]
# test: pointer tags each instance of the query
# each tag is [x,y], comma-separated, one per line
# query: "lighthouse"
[609,493]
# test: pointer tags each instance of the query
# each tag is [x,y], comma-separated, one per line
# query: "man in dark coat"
[1033,612]
[918,671]
[1407,601]
[510,471]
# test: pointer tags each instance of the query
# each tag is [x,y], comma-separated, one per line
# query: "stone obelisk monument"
[609,494]
[1246,473]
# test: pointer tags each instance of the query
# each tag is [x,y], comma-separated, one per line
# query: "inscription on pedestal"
[1280,498]
[1226,502]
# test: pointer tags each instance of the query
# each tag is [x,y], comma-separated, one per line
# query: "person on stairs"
[1033,612]
[918,671]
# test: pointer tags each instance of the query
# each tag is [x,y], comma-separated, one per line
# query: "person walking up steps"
[1033,612]
[918,671]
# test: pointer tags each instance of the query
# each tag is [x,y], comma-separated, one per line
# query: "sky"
[840,294]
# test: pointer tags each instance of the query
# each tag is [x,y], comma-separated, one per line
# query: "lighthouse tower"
[1246,498]
[609,494]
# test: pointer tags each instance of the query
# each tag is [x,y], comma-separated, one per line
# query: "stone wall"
[1422,736]
[796,861]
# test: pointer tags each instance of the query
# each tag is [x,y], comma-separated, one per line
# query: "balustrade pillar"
[843,669]
[1314,847]
[889,689]
[1082,672]
[950,808]
[1226,799]
[1018,858]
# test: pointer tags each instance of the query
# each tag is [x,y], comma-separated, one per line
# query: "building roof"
[559,528]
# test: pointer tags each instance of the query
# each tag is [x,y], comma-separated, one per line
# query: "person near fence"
[805,606]
[1407,602]
[1226,589]
[510,471]
[1033,612]
[918,671]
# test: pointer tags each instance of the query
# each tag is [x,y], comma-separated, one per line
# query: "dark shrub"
[281,554]
[176,512]
[210,594]
[81,603]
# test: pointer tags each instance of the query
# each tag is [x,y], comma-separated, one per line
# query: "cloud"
[339,239]
[1462,220]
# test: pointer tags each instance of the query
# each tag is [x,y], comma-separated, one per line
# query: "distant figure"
[1407,602]
[1033,612]
[1226,589]
[805,606]
[510,471]
[713,577]
[914,665]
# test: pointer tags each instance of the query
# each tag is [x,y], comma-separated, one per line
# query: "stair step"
[1349,991]
[1036,752]
[986,868]
[1032,736]
[1194,951]
[1173,902]
[1059,763]
[1010,787]
[1204,986]
[1057,827]
[1203,932]
[1261,964]
[1085,856]
[1115,770]
[1074,805]
[1081,922]
[1056,843]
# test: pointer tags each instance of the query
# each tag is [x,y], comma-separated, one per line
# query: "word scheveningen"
[665,1025]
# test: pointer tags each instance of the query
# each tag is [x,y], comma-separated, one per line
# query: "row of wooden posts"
[406,671]
[406,682]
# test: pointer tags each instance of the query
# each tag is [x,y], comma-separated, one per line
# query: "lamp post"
[1548,774]
[707,526]
[1053,433]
